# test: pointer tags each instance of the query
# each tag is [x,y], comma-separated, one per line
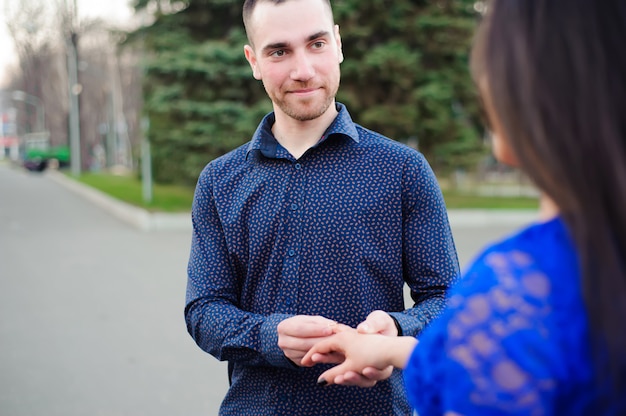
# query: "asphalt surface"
[91,311]
[91,307]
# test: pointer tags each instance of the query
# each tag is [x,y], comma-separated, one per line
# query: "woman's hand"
[367,358]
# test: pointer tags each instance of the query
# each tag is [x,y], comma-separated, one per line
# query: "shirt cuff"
[409,325]
[269,341]
[398,327]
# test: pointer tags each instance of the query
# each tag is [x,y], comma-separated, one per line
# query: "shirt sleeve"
[493,351]
[212,315]
[430,260]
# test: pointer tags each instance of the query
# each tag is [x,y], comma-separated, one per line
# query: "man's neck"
[299,136]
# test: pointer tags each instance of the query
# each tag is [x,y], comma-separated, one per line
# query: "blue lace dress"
[514,339]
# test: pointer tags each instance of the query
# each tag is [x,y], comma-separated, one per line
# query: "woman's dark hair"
[556,78]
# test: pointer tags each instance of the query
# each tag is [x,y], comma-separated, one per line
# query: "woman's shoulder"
[541,247]
[516,324]
[533,273]
[517,275]
[532,236]
[524,291]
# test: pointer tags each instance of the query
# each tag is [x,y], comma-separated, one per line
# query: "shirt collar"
[264,141]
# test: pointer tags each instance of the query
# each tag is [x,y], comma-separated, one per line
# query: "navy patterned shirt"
[336,233]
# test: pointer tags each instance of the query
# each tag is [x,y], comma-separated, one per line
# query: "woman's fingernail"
[322,382]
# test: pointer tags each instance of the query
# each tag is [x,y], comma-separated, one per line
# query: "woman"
[538,323]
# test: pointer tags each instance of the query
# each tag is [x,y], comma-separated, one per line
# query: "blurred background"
[113,86]
[132,98]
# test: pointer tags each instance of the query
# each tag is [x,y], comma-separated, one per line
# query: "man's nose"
[303,67]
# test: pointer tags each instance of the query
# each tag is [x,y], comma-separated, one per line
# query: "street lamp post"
[74,116]
[74,88]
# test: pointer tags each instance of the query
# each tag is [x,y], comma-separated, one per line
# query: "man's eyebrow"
[320,34]
[273,46]
[283,45]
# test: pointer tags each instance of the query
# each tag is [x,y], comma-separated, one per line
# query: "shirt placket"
[293,227]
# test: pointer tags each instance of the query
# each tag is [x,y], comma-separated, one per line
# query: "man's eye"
[318,45]
[278,53]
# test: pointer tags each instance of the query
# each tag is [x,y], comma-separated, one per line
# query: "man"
[315,221]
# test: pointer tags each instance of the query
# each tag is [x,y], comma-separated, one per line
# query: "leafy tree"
[405,75]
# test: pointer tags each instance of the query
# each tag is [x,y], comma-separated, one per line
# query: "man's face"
[296,52]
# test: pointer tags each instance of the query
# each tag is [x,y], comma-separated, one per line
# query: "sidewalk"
[155,221]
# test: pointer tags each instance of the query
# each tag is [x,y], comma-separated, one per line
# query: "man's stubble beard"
[301,111]
[306,114]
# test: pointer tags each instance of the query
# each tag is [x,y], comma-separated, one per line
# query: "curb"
[137,217]
[155,221]
[491,217]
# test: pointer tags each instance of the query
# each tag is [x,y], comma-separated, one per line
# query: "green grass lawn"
[455,200]
[173,198]
[165,198]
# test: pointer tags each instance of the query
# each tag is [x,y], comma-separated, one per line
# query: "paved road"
[91,319]
[91,309]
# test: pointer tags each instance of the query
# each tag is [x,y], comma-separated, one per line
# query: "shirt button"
[288,301]
[298,166]
[292,253]
[294,207]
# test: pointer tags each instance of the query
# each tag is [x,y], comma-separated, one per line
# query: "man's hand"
[296,335]
[378,322]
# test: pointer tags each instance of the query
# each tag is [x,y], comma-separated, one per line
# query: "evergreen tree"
[199,94]
[405,75]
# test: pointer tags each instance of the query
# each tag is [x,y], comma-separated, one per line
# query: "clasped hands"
[310,340]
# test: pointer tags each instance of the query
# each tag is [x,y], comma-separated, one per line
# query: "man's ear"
[251,58]
[338,40]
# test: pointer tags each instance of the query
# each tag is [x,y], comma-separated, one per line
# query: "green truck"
[38,159]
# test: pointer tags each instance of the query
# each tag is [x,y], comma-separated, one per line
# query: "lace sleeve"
[492,352]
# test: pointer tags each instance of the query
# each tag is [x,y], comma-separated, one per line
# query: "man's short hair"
[249,5]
